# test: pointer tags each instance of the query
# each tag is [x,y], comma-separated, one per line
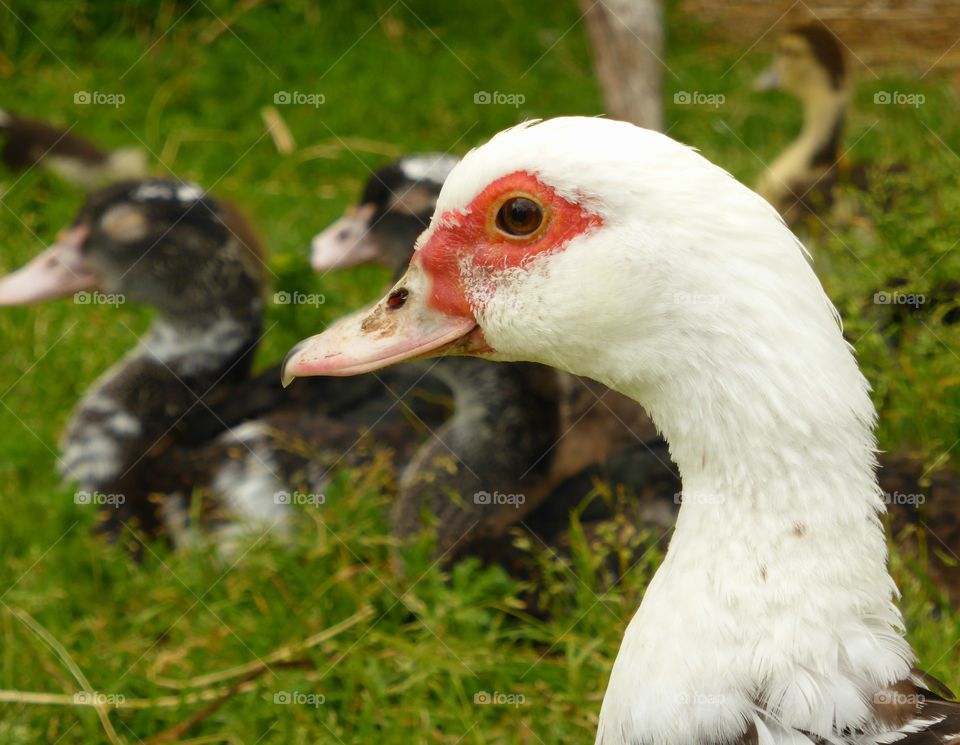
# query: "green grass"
[396,77]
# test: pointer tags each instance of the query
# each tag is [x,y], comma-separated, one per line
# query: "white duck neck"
[774,598]
[771,476]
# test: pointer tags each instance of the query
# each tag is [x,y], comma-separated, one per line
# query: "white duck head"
[599,247]
[617,253]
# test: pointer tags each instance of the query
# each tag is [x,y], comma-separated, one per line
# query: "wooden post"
[627,41]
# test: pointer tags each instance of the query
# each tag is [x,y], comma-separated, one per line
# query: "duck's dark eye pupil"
[519,216]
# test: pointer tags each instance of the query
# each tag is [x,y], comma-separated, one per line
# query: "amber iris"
[519,217]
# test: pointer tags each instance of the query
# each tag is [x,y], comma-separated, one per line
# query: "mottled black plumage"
[138,430]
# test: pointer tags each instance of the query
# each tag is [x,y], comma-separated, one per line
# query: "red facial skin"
[476,232]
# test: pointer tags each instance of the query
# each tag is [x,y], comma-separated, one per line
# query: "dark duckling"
[395,207]
[197,262]
[167,245]
[491,463]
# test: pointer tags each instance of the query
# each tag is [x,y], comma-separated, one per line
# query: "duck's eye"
[519,217]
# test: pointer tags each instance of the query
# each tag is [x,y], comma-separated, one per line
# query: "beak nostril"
[398,298]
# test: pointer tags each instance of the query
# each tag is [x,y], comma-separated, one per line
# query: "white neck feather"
[774,599]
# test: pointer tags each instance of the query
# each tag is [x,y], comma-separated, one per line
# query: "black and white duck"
[182,415]
[494,432]
[31,142]
[395,207]
[150,428]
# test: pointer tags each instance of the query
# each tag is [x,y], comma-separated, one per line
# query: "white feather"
[249,486]
[433,167]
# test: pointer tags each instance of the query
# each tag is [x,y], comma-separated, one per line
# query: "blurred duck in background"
[178,412]
[809,64]
[30,142]
[181,416]
[802,181]
[395,207]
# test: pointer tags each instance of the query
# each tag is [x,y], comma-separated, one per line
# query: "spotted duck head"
[162,243]
[395,207]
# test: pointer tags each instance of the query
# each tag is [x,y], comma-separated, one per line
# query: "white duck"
[617,253]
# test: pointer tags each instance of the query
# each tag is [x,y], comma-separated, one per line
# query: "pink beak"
[402,326]
[60,270]
[346,242]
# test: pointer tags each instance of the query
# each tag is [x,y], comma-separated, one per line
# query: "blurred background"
[286,108]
